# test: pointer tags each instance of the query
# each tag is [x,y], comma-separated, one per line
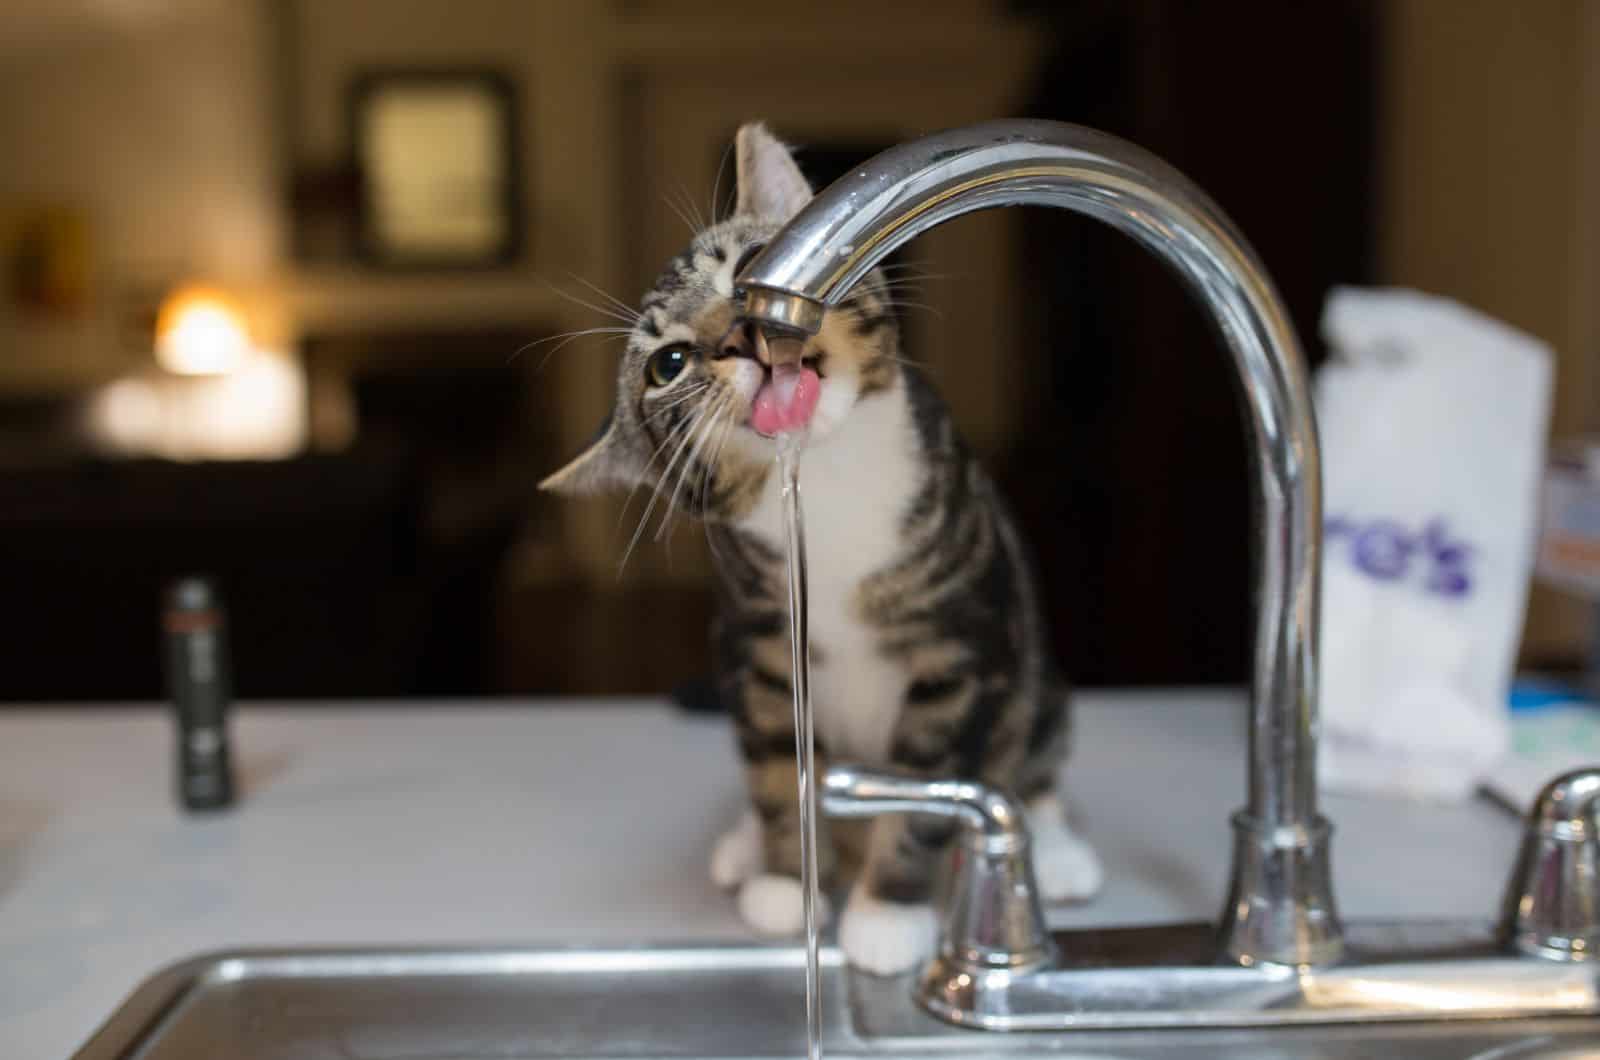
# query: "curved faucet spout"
[1281,907]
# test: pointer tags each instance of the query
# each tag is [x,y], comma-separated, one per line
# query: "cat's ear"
[601,467]
[771,186]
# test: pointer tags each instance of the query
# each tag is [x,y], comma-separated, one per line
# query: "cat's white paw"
[1066,867]
[737,854]
[775,905]
[886,938]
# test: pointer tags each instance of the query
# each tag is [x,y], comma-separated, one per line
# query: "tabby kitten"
[928,650]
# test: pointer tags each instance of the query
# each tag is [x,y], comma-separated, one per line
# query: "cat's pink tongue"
[786,400]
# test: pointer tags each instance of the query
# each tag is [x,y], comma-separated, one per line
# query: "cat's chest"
[854,490]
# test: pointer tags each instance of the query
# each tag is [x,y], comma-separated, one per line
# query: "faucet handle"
[993,921]
[1553,901]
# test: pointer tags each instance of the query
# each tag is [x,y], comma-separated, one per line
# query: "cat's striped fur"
[928,647]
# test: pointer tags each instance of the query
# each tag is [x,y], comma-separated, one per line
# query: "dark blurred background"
[278,275]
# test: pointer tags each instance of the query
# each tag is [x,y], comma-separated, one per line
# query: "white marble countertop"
[527,822]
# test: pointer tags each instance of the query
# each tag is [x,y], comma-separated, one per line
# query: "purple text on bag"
[1385,550]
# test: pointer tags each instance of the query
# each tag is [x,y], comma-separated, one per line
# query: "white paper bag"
[1433,423]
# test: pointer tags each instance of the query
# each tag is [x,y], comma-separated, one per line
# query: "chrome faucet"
[992,921]
[1280,952]
[1553,901]
[1280,909]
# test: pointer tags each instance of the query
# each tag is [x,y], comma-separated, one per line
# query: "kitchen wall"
[154,121]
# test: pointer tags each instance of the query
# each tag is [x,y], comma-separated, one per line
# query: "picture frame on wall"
[436,151]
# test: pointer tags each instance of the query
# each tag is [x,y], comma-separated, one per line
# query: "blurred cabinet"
[319,561]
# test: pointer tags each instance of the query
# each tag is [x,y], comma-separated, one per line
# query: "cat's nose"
[744,339]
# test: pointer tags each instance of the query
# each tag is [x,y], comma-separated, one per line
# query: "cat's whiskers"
[708,471]
[678,211]
[680,435]
[673,434]
[892,290]
[906,292]
[685,438]
[612,314]
[912,270]
[655,495]
[681,399]
[676,401]
[706,479]
[901,284]
[687,198]
[692,466]
[622,309]
[716,184]
[689,465]
[563,339]
[906,303]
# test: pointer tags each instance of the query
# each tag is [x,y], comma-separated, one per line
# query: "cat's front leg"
[761,855]
[888,925]
[772,900]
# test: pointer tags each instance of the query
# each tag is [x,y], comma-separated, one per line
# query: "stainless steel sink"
[720,1001]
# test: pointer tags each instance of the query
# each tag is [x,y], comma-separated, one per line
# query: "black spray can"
[199,688]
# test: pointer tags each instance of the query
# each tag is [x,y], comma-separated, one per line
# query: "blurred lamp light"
[255,412]
[200,332]
[126,412]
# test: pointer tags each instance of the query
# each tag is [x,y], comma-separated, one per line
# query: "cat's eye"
[666,364]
